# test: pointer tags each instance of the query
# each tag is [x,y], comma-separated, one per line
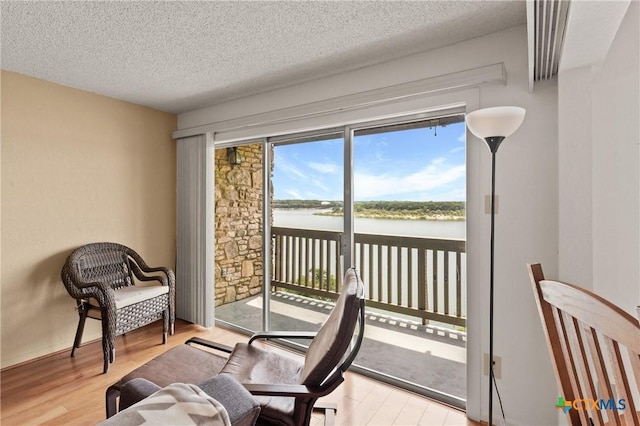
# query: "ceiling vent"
[550,20]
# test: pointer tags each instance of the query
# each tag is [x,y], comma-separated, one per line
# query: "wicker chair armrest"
[140,263]
[160,279]
[99,285]
[100,291]
[141,274]
[81,289]
[148,269]
[79,283]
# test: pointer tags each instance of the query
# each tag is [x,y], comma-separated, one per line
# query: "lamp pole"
[493,143]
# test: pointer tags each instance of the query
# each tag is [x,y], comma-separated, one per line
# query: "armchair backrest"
[328,355]
[595,350]
[101,262]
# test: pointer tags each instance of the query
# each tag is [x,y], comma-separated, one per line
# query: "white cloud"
[431,178]
[291,170]
[319,184]
[457,194]
[323,167]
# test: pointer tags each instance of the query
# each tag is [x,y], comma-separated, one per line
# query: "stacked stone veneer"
[238,219]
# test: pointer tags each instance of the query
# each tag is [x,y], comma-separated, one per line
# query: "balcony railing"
[420,277]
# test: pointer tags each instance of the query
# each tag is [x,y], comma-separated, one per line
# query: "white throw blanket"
[176,404]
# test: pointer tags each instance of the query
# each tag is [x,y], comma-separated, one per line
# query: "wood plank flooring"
[60,390]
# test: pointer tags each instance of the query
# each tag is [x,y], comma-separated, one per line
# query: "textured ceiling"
[179,56]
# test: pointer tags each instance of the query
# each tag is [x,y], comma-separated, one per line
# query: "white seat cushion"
[134,294]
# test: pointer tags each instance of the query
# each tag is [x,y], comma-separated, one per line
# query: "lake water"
[307,219]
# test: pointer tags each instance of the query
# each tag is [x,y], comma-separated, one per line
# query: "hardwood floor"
[58,389]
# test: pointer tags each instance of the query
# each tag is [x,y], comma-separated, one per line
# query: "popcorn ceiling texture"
[179,56]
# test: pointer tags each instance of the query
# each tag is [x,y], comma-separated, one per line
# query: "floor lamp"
[493,125]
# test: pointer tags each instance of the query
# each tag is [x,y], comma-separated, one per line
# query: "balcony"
[415,295]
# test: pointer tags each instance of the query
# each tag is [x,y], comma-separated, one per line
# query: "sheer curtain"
[195,279]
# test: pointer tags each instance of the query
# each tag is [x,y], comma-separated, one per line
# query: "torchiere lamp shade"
[496,121]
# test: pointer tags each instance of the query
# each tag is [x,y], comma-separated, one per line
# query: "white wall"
[527,182]
[599,137]
[616,168]
[575,174]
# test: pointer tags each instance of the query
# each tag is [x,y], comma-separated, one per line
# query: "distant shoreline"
[399,216]
[392,210]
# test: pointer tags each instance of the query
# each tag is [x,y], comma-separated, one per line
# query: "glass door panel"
[409,204]
[306,201]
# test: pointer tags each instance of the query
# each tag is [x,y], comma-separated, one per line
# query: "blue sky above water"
[426,164]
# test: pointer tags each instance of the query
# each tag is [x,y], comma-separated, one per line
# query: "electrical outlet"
[497,366]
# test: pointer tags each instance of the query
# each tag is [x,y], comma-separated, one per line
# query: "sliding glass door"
[387,198]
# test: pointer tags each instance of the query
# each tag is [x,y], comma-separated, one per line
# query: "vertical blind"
[195,230]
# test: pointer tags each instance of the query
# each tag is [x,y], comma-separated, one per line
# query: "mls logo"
[563,405]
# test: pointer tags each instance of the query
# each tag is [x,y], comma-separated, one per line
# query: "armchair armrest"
[291,390]
[139,266]
[283,335]
[71,277]
[82,290]
[242,407]
[136,390]
[98,285]
[140,272]
[209,344]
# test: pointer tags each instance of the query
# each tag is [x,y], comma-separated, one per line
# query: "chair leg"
[165,326]
[329,417]
[108,342]
[329,409]
[82,313]
[109,358]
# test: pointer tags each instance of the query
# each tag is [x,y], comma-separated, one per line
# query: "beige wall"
[76,168]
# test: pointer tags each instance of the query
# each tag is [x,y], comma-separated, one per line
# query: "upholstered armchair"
[112,283]
[287,387]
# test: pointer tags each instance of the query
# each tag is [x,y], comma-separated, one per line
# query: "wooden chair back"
[595,350]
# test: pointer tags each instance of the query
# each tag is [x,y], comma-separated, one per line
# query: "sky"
[425,164]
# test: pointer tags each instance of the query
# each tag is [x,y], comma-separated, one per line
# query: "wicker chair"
[100,276]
